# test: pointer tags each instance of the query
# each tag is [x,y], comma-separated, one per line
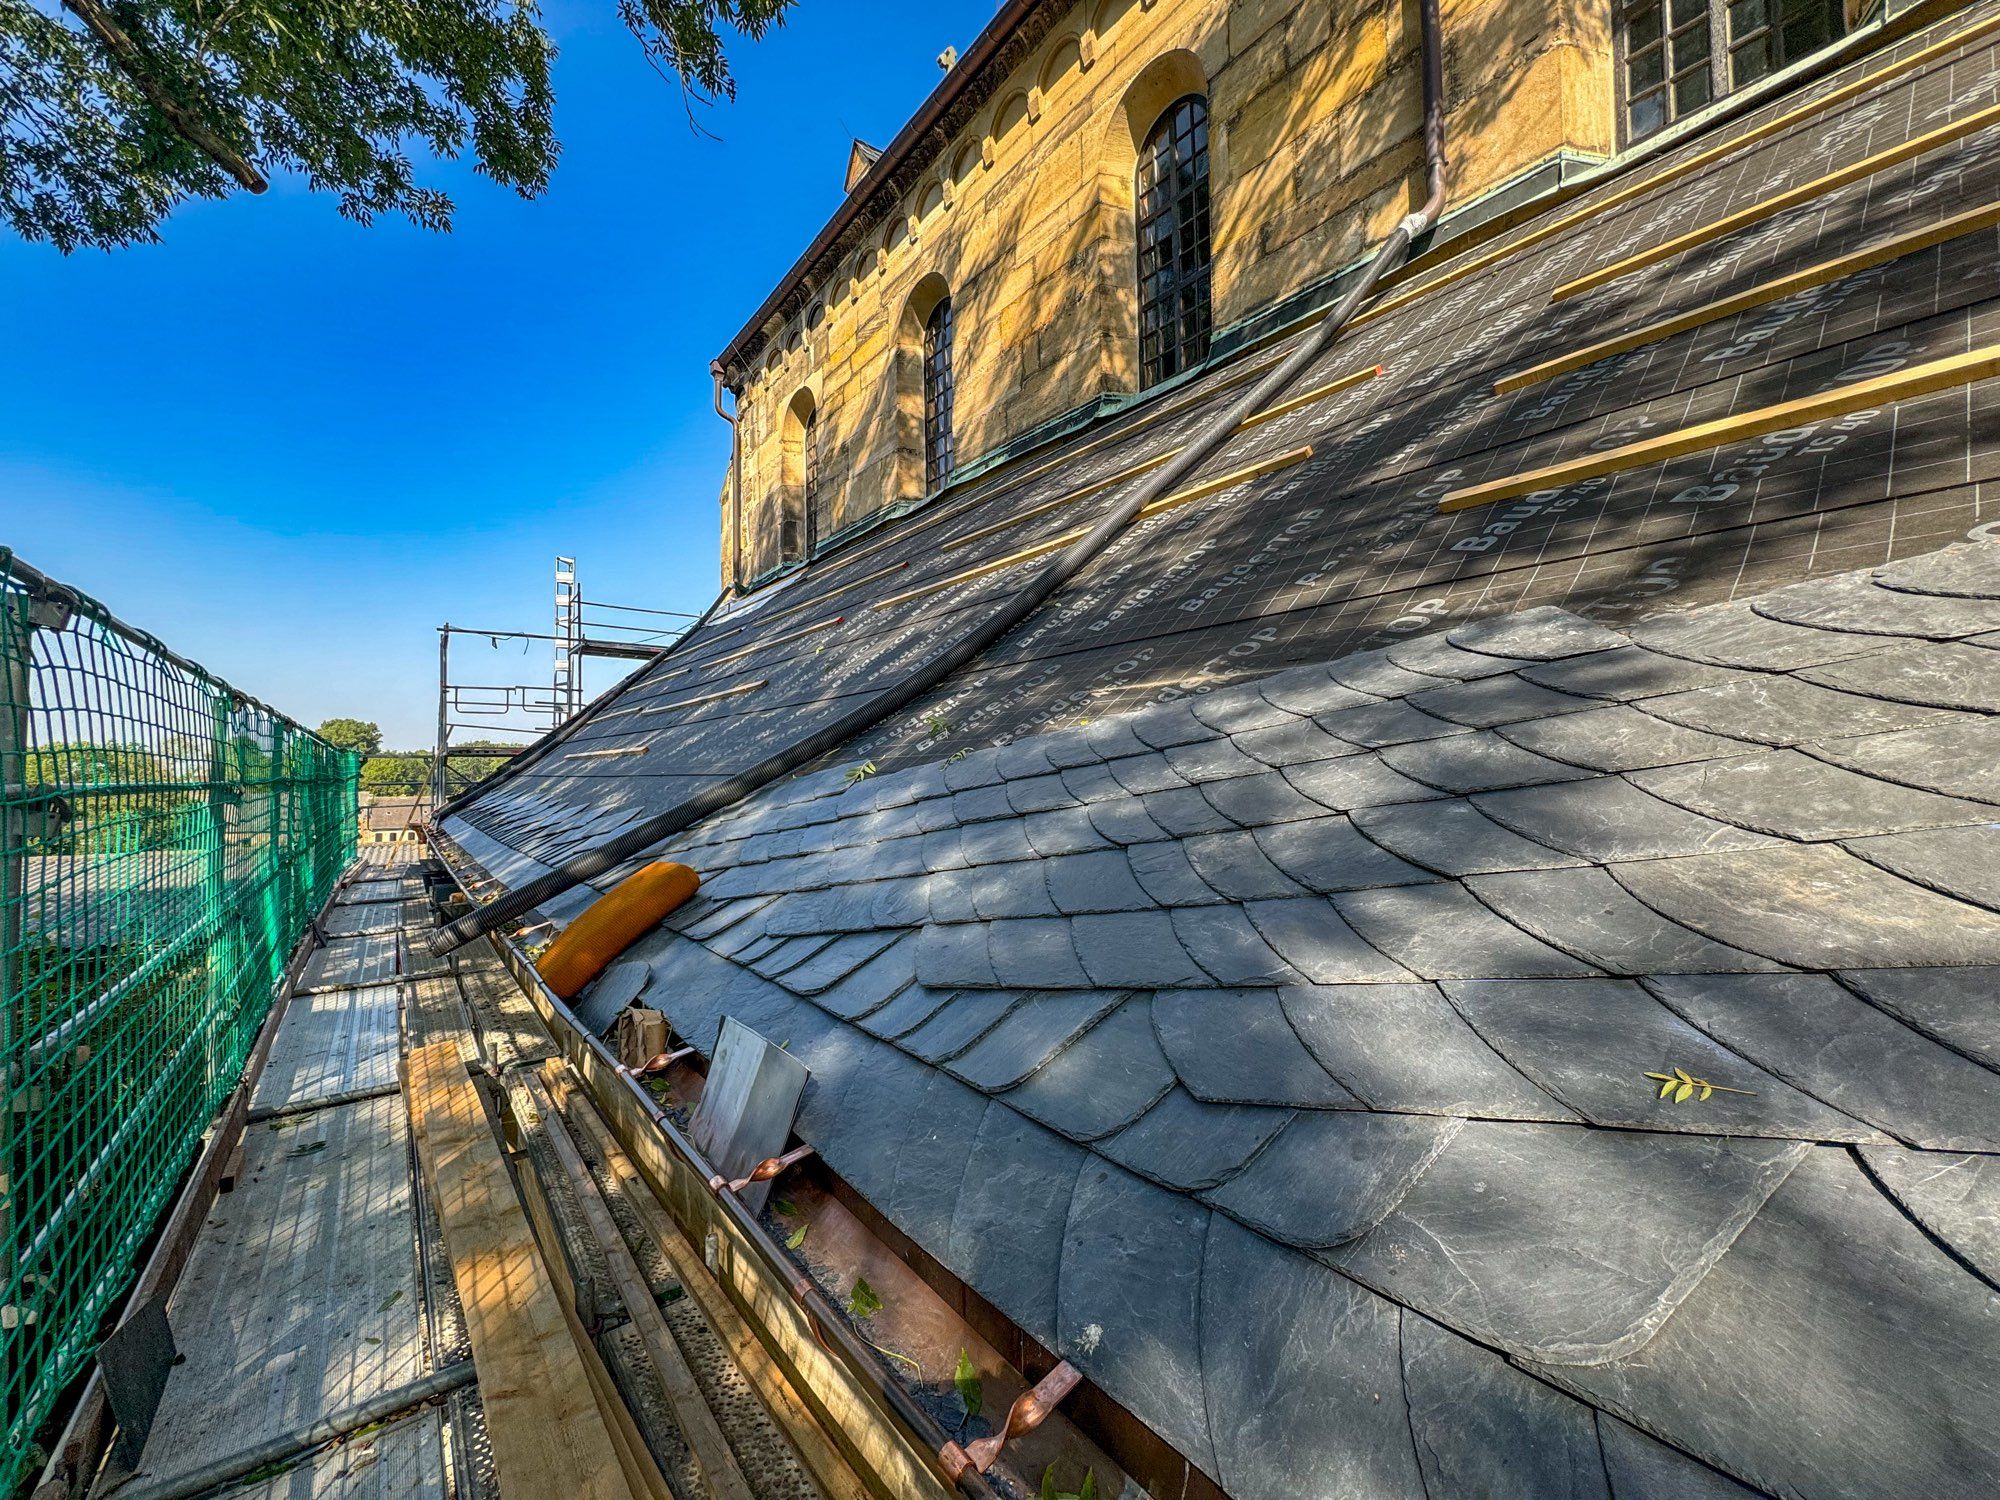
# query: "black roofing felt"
[1288,1053]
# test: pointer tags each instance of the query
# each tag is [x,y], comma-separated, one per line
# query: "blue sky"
[292,447]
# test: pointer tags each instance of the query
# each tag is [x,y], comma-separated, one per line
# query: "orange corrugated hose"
[614,922]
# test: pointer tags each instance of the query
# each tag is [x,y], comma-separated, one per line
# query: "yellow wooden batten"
[1904,385]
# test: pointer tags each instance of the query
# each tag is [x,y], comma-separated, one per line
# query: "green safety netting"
[164,842]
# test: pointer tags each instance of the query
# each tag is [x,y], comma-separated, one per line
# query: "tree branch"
[125,52]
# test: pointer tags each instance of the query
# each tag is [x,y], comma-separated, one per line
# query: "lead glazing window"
[1681,54]
[1171,204]
[937,397]
[811,486]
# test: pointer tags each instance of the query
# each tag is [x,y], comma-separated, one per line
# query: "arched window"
[937,397]
[815,521]
[1171,206]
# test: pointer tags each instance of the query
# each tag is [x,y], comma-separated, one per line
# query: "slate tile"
[982,804]
[1236,1047]
[1554,1242]
[1330,1176]
[859,1097]
[1189,1145]
[1037,794]
[1259,801]
[1358,781]
[1067,748]
[1639,1465]
[1212,760]
[1234,710]
[1028,1036]
[1093,883]
[1129,1308]
[904,1012]
[1066,830]
[1308,691]
[1227,947]
[1168,876]
[1315,939]
[1776,710]
[1811,1032]
[1954,1005]
[1035,954]
[1289,1347]
[950,958]
[1437,656]
[1609,818]
[1952,675]
[1733,635]
[1113,739]
[1957,758]
[1956,1198]
[1102,1080]
[959,1022]
[1586,913]
[1007,1229]
[898,903]
[844,974]
[1961,862]
[1184,812]
[1969,571]
[1373,673]
[1543,633]
[1023,759]
[978,769]
[1439,931]
[1832,1303]
[1124,822]
[928,1164]
[1625,673]
[1454,838]
[1234,867]
[1394,722]
[1167,724]
[1853,601]
[1296,743]
[1484,1428]
[1133,950]
[1619,738]
[995,843]
[1795,796]
[1478,762]
[1402,1047]
[1092,783]
[1591,1043]
[1814,907]
[1498,700]
[1328,854]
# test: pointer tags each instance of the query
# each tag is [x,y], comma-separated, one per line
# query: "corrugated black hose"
[635,840]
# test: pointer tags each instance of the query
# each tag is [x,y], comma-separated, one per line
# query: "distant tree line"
[406,773]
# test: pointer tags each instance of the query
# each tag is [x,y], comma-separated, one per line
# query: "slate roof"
[1284,1053]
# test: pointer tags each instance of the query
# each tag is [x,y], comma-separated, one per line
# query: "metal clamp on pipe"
[1030,1409]
[764,1171]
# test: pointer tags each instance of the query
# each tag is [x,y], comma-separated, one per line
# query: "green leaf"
[971,1393]
[1683,1093]
[1667,1087]
[1049,1484]
[391,1300]
[797,1237]
[1089,1490]
[786,1207]
[862,1301]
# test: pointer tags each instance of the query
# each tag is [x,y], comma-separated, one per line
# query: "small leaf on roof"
[797,1237]
[971,1394]
[1681,1086]
[862,1301]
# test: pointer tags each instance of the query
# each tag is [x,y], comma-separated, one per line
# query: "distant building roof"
[392,814]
